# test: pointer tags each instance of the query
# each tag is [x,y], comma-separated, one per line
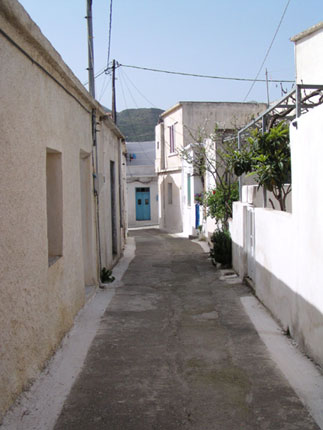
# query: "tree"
[267,156]
[210,154]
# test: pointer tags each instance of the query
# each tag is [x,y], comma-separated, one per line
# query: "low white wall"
[307,155]
[254,195]
[275,244]
[289,247]
[237,231]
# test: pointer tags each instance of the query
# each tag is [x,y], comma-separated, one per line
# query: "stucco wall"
[44,109]
[109,150]
[289,247]
[308,56]
[170,215]
[175,119]
[200,118]
[307,153]
[188,202]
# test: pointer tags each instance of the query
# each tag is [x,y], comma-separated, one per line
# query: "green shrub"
[222,247]
[219,202]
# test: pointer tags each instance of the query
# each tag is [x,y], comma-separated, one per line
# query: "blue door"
[142,204]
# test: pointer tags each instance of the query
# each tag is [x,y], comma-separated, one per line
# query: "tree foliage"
[267,156]
[219,201]
[210,154]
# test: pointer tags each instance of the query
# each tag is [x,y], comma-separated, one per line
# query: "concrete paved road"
[175,350]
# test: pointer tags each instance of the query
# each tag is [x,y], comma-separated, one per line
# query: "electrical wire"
[174,119]
[125,102]
[131,95]
[98,74]
[267,53]
[108,69]
[105,85]
[178,133]
[139,92]
[144,151]
[202,76]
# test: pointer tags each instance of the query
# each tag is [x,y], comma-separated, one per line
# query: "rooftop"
[308,32]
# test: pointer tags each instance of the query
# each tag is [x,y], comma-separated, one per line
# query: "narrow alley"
[176,350]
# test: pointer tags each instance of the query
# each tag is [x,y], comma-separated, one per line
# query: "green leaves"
[267,156]
[219,201]
[221,251]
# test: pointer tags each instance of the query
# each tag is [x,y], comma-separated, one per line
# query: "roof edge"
[307,32]
[171,109]
[182,103]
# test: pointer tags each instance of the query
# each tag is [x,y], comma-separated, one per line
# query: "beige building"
[58,226]
[182,125]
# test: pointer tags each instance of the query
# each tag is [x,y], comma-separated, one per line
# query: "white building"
[142,190]
[182,125]
[283,252]
[57,225]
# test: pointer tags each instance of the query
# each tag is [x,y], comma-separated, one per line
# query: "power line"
[139,92]
[98,74]
[202,76]
[267,53]
[105,85]
[108,69]
[142,95]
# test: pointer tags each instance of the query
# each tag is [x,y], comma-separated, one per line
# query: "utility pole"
[114,109]
[90,48]
[267,88]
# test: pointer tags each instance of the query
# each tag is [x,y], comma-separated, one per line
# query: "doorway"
[142,204]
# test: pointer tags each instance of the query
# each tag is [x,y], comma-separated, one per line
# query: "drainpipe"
[95,164]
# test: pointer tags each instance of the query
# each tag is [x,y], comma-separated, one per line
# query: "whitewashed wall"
[188,202]
[308,55]
[150,182]
[170,215]
[289,247]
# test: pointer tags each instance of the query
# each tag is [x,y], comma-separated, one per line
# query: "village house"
[181,126]
[142,189]
[62,199]
[282,252]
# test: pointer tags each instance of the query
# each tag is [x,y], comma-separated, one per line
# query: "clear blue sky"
[213,37]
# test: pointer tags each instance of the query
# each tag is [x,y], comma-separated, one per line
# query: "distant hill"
[138,125]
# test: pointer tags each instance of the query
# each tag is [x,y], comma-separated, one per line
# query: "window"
[172,139]
[54,197]
[170,193]
[188,190]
